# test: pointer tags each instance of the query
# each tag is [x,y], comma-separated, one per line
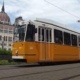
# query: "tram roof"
[47,21]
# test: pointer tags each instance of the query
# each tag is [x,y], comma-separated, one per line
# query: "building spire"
[3,9]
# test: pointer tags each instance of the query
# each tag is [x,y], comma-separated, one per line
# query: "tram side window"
[67,39]
[74,39]
[79,40]
[41,34]
[48,35]
[58,37]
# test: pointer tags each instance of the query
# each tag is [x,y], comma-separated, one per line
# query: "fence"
[5,57]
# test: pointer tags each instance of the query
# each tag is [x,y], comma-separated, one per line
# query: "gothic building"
[6,30]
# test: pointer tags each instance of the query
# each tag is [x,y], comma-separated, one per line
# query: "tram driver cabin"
[45,41]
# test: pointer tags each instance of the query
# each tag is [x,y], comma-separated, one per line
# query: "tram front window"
[26,33]
[30,33]
[19,34]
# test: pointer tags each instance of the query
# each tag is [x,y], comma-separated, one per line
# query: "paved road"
[54,72]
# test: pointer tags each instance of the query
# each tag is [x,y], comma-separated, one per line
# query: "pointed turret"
[4,16]
[3,9]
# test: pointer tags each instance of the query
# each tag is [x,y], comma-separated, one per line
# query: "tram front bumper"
[19,59]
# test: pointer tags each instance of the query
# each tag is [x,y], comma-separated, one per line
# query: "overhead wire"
[62,9]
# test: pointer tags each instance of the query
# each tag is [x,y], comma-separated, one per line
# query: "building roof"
[4,18]
[47,21]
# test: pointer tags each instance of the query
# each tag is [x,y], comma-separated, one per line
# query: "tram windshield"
[19,33]
[23,34]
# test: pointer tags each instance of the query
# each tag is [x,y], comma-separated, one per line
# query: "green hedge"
[6,62]
[5,52]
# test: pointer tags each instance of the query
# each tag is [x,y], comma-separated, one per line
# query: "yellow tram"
[45,41]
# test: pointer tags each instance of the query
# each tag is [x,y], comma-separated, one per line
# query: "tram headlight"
[16,52]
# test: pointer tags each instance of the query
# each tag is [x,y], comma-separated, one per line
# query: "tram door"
[44,36]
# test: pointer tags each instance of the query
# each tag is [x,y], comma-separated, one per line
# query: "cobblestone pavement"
[53,72]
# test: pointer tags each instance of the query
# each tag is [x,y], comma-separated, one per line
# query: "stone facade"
[6,30]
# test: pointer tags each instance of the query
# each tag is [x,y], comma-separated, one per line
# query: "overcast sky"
[32,9]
